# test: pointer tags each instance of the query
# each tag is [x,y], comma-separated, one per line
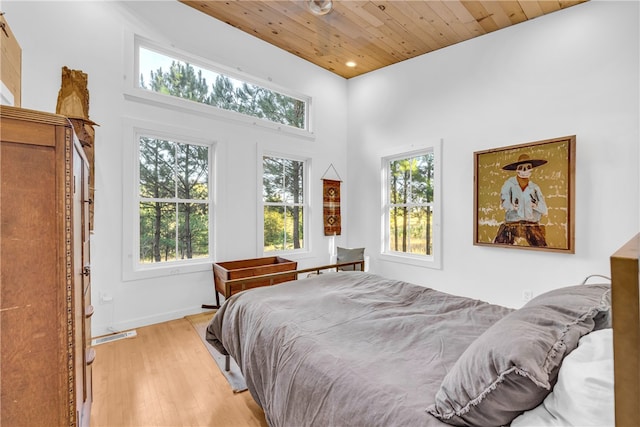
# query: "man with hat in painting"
[524,204]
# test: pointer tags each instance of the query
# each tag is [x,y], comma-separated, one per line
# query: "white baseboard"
[100,330]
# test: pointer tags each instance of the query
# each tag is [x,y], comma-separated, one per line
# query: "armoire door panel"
[43,373]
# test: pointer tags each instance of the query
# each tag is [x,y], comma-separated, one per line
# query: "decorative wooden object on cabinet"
[73,103]
[10,66]
[45,285]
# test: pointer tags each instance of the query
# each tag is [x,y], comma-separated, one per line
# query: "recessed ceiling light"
[350,64]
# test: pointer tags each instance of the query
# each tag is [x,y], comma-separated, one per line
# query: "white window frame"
[306,217]
[429,261]
[132,268]
[133,92]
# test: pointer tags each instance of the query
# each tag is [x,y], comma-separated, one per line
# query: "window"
[173,200]
[283,197]
[175,75]
[411,206]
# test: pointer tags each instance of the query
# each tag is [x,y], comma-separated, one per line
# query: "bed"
[357,349]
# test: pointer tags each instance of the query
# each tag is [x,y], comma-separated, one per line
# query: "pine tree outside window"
[174,200]
[283,199]
[171,74]
[411,221]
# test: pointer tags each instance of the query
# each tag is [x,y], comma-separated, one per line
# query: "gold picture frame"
[524,196]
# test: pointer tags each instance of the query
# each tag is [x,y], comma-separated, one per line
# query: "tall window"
[173,200]
[283,196]
[411,220]
[171,75]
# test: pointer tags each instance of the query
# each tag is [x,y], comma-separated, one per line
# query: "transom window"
[169,74]
[173,199]
[283,198]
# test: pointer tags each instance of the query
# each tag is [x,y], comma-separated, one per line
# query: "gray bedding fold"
[349,348]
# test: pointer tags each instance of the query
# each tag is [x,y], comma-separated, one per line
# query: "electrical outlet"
[527,295]
[105,298]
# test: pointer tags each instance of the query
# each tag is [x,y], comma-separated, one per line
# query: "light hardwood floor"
[165,377]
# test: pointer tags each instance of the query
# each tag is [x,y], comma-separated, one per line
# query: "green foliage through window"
[410,195]
[283,199]
[173,200]
[170,76]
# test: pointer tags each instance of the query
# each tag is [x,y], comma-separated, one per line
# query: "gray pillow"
[348,255]
[514,364]
[603,319]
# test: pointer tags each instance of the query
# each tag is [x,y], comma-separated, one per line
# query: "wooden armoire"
[45,294]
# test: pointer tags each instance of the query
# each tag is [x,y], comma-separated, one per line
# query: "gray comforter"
[347,349]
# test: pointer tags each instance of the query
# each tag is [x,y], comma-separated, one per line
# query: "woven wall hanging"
[331,204]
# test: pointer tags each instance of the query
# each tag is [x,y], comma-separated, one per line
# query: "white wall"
[93,37]
[573,72]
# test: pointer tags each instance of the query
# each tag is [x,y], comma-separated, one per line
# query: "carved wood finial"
[73,97]
[73,103]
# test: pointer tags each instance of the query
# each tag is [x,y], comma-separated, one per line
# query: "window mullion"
[291,205]
[284,230]
[175,196]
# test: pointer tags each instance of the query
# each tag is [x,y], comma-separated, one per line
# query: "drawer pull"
[88,312]
[91,356]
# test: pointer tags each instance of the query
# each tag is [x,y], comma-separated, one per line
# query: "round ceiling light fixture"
[320,7]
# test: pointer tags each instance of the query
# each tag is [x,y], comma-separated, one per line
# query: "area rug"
[233,376]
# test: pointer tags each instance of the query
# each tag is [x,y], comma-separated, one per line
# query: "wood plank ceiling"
[372,34]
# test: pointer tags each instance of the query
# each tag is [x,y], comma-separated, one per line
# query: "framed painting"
[524,196]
